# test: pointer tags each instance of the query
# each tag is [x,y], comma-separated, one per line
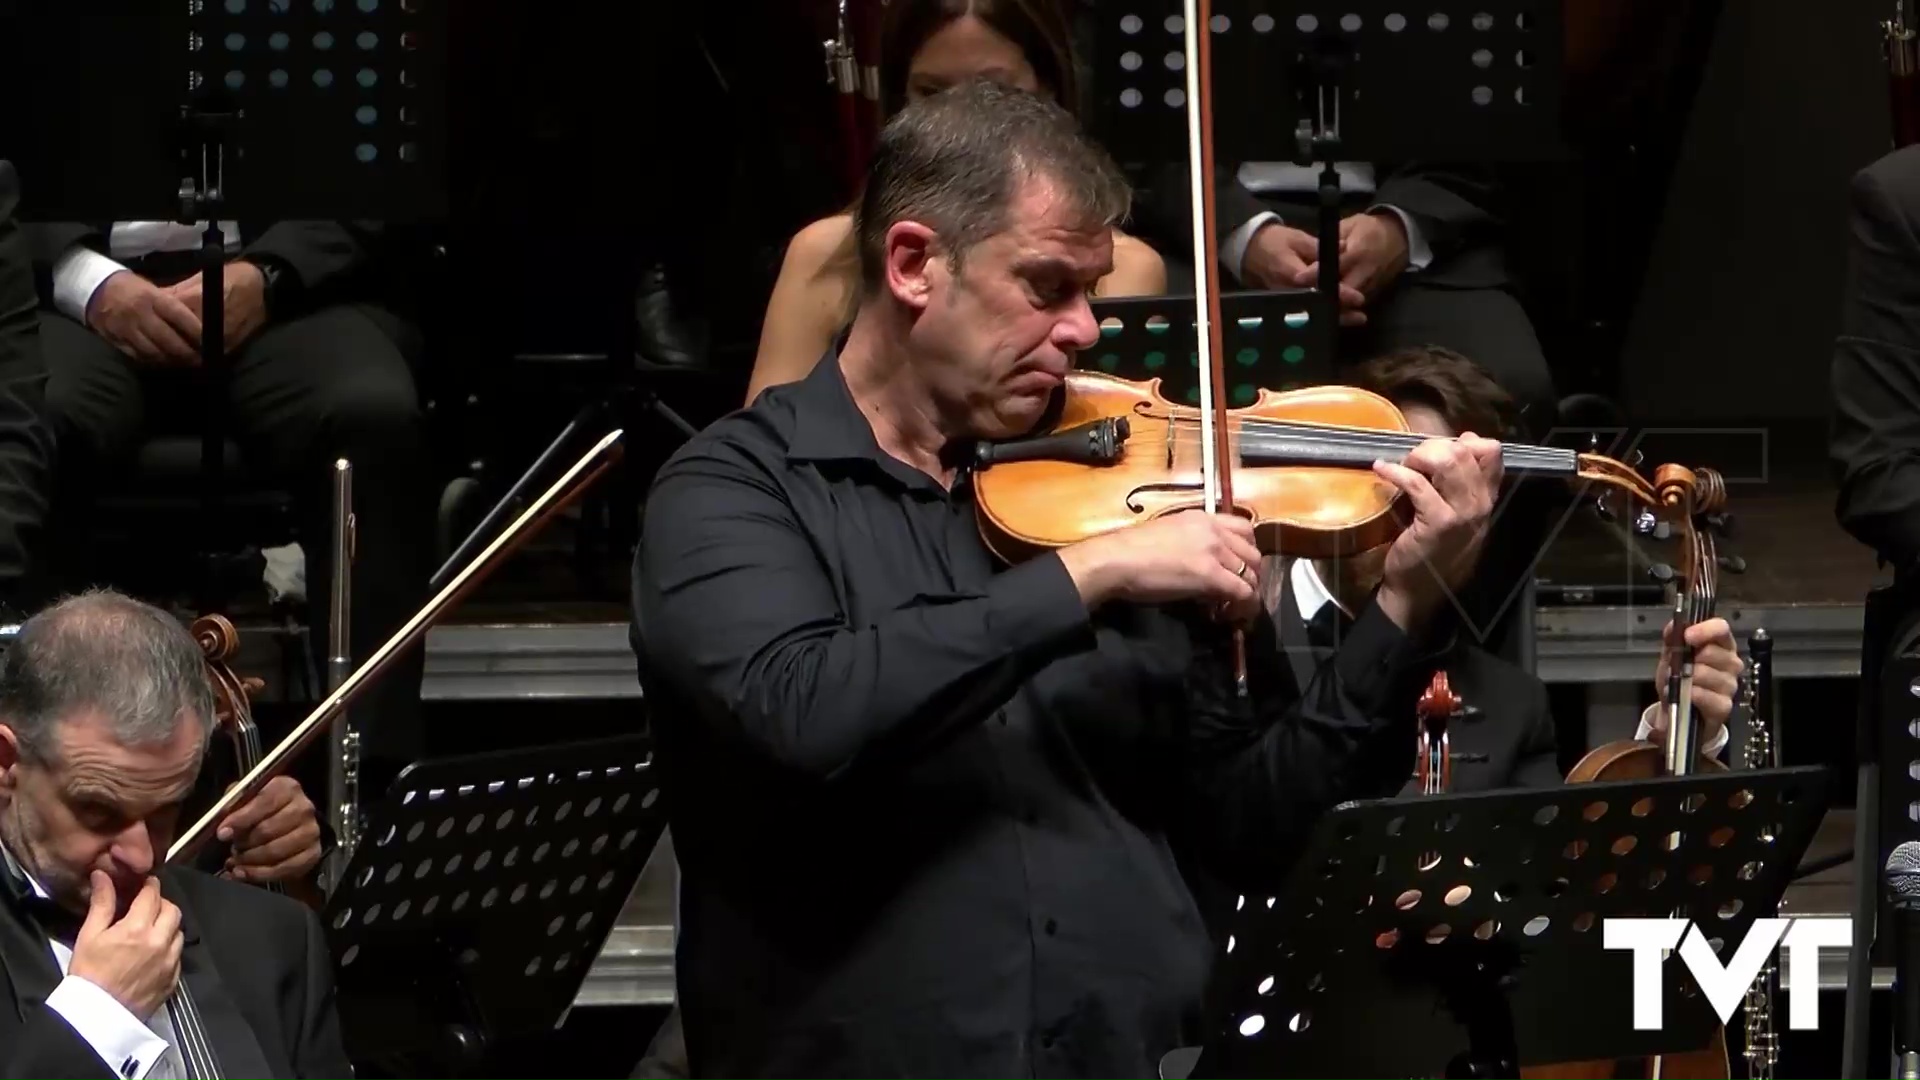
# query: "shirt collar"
[829,426]
[1310,594]
[11,867]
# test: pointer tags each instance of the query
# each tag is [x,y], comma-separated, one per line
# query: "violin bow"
[1216,450]
[555,499]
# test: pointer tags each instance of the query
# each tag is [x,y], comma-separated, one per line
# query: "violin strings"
[1364,448]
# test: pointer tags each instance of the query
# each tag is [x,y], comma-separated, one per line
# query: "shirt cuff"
[1234,251]
[77,275]
[1419,254]
[125,1043]
[1646,732]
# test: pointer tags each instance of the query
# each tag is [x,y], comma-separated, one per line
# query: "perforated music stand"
[1469,926]
[483,890]
[1272,340]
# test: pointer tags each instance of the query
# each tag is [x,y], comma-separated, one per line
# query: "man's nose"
[1078,330]
[134,849]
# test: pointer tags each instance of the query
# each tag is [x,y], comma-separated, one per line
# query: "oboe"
[1762,752]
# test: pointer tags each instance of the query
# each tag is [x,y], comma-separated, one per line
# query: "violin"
[1433,764]
[1116,452]
[1693,498]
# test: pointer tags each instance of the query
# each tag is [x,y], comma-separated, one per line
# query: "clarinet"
[1762,752]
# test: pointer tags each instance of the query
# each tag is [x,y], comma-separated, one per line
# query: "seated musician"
[927,45]
[1510,741]
[922,801]
[317,373]
[112,965]
[26,435]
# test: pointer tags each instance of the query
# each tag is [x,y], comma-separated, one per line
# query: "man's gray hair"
[954,162]
[105,653]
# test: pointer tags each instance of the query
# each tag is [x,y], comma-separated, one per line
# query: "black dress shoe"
[670,333]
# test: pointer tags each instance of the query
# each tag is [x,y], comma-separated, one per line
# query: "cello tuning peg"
[1660,572]
[1663,530]
[1732,564]
[1644,522]
[1721,523]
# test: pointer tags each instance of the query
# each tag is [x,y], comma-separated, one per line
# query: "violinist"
[924,803]
[927,45]
[112,965]
[1508,741]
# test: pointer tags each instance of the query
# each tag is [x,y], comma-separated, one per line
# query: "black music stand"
[1449,82]
[267,110]
[482,892]
[1470,926]
[1271,340]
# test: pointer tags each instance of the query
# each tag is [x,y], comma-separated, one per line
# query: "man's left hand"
[1716,677]
[275,835]
[244,289]
[1373,252]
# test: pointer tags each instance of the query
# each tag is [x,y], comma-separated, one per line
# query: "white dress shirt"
[80,271]
[1357,176]
[130,1046]
[1310,595]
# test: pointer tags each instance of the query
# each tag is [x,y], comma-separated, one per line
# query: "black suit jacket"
[1875,442]
[1510,742]
[26,438]
[328,260]
[256,964]
[1455,207]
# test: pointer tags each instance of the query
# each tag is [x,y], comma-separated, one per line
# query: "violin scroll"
[219,643]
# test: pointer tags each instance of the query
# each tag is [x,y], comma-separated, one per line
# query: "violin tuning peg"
[1732,564]
[1603,507]
[1644,522]
[1660,572]
[1663,531]
[1721,523]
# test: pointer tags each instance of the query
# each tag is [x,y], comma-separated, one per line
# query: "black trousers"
[334,383]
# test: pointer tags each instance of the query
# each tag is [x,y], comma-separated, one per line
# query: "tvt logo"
[1724,986]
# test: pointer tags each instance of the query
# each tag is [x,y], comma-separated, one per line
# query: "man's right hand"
[136,960]
[144,321]
[1184,556]
[1280,257]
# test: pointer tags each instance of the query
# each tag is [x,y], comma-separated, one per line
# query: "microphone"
[1903,880]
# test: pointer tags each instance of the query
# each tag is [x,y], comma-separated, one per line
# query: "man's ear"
[9,761]
[912,259]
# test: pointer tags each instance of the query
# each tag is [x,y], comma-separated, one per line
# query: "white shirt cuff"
[77,275]
[125,1043]
[1418,253]
[1646,731]
[1234,252]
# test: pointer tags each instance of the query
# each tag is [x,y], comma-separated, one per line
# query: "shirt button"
[1051,927]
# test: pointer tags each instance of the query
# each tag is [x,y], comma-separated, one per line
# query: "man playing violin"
[105,716]
[1509,740]
[925,804]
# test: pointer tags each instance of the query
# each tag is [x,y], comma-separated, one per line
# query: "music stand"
[483,890]
[1272,340]
[1451,82]
[270,110]
[1470,926]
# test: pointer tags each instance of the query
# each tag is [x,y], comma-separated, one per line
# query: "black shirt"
[924,805]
